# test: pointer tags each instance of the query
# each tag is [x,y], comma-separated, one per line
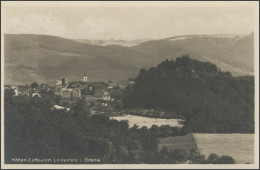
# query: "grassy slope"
[238,146]
[47,58]
[229,54]
[185,142]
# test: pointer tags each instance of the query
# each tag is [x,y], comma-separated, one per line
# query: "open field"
[148,122]
[186,142]
[239,146]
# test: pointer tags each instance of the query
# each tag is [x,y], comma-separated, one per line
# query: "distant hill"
[211,100]
[45,58]
[234,53]
[125,43]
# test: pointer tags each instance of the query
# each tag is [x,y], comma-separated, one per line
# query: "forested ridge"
[210,100]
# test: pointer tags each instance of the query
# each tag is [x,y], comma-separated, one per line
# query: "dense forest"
[34,130]
[210,100]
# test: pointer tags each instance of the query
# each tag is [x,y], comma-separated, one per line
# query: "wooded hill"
[210,100]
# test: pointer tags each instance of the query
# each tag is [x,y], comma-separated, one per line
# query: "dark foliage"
[34,85]
[33,130]
[209,99]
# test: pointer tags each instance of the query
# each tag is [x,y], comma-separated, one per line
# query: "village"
[68,93]
[98,97]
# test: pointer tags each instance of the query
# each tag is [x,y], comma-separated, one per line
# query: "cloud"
[127,23]
[91,27]
[35,23]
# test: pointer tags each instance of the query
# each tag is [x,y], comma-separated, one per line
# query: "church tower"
[85,78]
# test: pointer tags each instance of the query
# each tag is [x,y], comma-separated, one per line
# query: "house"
[64,81]
[106,96]
[76,94]
[111,84]
[98,92]
[90,99]
[131,82]
[57,107]
[7,87]
[58,82]
[70,94]
[13,87]
[77,84]
[103,85]
[122,84]
[88,88]
[36,94]
[57,89]
[66,93]
[16,92]
[99,88]
[25,93]
[116,92]
[43,85]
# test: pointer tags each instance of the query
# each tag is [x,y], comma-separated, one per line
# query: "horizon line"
[176,36]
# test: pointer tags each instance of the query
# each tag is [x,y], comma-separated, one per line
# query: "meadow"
[186,142]
[239,146]
[148,122]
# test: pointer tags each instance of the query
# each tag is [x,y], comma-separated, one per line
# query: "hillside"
[234,53]
[47,58]
[239,146]
[125,43]
[186,142]
[210,100]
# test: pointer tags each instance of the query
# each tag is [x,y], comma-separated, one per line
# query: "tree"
[212,158]
[215,159]
[195,156]
[122,152]
[186,129]
[142,73]
[164,150]
[165,130]
[225,160]
[81,108]
[34,85]
[154,130]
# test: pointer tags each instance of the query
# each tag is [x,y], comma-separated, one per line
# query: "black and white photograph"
[129,84]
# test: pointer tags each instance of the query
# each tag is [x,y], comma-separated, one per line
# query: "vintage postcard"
[135,85]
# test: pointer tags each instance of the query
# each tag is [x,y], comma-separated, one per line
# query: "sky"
[119,20]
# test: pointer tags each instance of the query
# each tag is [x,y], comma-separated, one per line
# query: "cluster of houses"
[22,90]
[75,90]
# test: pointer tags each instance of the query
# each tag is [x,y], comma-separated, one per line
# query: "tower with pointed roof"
[85,78]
